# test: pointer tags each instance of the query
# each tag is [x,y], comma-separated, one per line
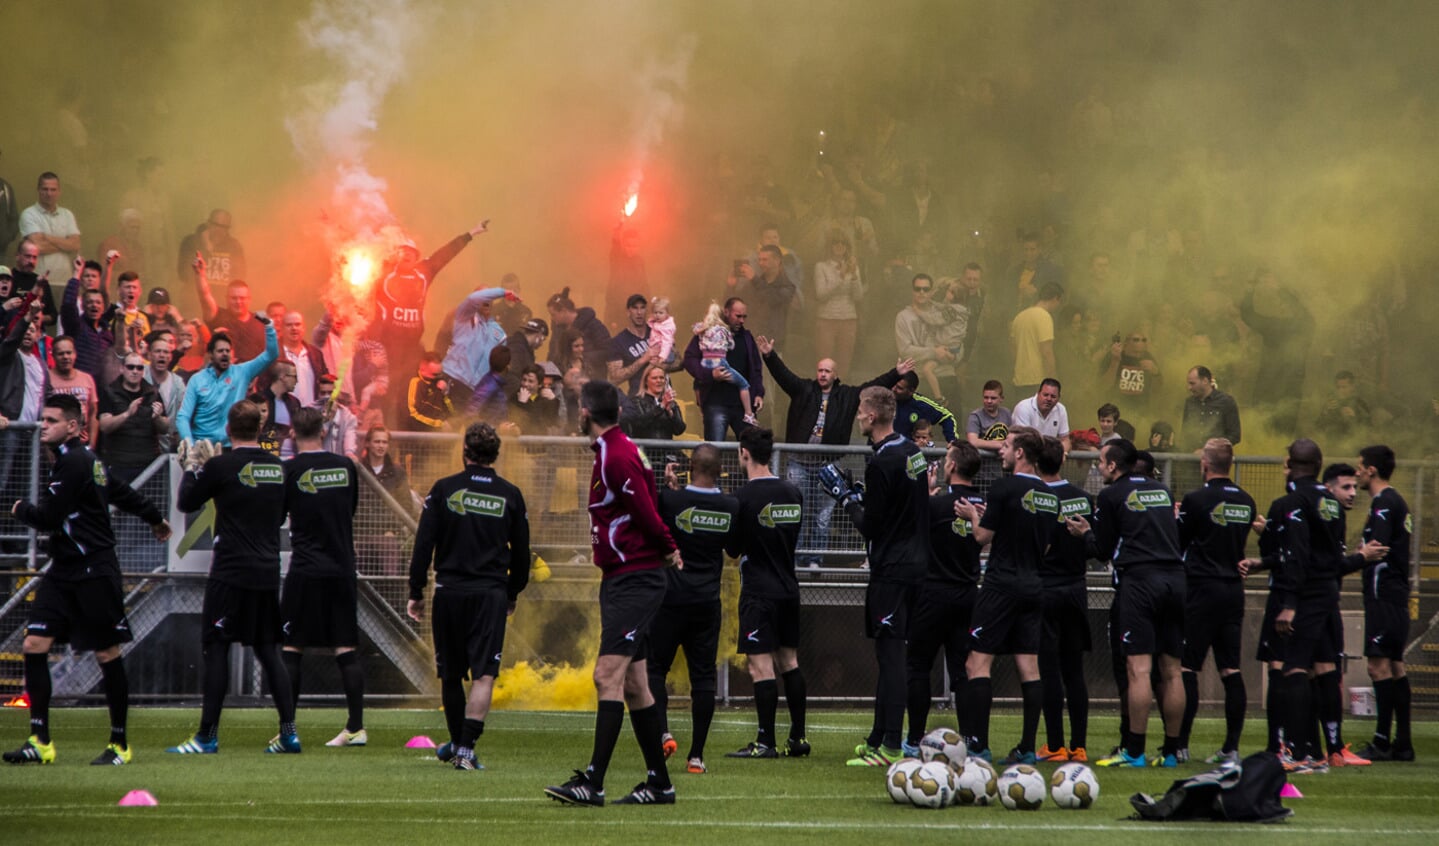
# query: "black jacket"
[645,418]
[894,518]
[74,508]
[475,531]
[805,396]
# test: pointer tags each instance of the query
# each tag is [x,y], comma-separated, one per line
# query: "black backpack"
[1248,792]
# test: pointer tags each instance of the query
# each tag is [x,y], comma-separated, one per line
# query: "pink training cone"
[1289,791]
[420,741]
[138,799]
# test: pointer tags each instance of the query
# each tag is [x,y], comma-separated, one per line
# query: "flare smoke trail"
[661,91]
[368,44]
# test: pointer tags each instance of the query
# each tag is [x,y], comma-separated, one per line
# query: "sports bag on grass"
[1248,792]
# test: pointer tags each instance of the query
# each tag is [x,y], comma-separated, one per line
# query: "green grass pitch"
[385,793]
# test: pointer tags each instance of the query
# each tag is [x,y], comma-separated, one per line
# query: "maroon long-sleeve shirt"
[626,531]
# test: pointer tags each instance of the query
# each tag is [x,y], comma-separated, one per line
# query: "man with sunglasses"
[132,418]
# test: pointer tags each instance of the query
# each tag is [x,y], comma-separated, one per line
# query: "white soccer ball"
[1021,788]
[931,785]
[896,780]
[978,785]
[1074,786]
[944,745]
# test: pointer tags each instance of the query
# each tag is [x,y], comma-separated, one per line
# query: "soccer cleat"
[668,744]
[1406,754]
[1375,752]
[695,766]
[114,755]
[1182,755]
[196,746]
[1223,758]
[349,738]
[1015,756]
[33,752]
[983,754]
[863,749]
[1292,765]
[465,760]
[910,750]
[753,749]
[796,747]
[1165,760]
[1345,758]
[881,757]
[577,791]
[284,744]
[1052,756]
[445,752]
[1120,758]
[1078,754]
[647,794]
[1317,766]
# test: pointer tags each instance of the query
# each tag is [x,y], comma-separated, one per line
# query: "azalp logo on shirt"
[252,475]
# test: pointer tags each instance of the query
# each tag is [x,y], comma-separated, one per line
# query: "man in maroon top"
[631,547]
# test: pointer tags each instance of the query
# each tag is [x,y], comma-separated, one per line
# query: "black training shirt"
[321,495]
[700,520]
[895,515]
[765,537]
[1021,511]
[1067,560]
[1214,525]
[74,509]
[1390,524]
[953,551]
[1134,524]
[248,487]
[475,529]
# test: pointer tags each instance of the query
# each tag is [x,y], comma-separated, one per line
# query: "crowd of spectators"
[1079,324]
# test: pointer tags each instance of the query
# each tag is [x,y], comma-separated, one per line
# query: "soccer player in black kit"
[1303,544]
[1135,529]
[765,537]
[1386,606]
[1017,521]
[319,605]
[942,612]
[891,511]
[242,594]
[1064,607]
[1214,525]
[476,532]
[700,519]
[79,600]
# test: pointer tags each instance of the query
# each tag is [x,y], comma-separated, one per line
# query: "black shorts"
[1318,636]
[1064,610]
[1005,624]
[1386,629]
[1151,612]
[1272,647]
[88,614]
[1213,619]
[887,609]
[628,604]
[767,624]
[240,615]
[469,629]
[941,620]
[696,628]
[319,612]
